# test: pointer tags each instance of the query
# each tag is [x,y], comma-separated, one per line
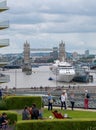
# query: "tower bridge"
[27,64]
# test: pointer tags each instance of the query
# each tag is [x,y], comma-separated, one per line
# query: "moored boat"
[82,74]
[63,71]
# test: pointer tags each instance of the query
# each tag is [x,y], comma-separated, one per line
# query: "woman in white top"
[63,100]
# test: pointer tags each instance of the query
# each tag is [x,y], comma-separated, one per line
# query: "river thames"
[38,78]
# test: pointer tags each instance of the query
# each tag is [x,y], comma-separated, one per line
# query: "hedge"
[3,105]
[19,102]
[12,116]
[56,125]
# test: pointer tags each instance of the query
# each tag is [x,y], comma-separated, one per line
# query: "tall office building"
[86,53]
[4,42]
[75,55]
[55,53]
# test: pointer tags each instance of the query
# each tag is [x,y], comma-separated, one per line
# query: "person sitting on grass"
[57,114]
[3,120]
[25,114]
[40,114]
[35,112]
[60,116]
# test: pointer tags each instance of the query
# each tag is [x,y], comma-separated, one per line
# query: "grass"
[75,114]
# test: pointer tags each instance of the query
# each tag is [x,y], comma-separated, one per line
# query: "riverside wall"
[56,92]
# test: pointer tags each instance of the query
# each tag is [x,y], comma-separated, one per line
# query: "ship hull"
[82,78]
[64,78]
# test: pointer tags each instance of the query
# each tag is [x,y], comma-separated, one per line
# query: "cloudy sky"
[44,23]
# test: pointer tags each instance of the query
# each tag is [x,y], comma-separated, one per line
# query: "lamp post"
[15,78]
[56,77]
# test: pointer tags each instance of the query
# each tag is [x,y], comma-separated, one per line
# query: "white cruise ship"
[63,71]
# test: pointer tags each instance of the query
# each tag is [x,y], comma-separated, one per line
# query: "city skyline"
[45,23]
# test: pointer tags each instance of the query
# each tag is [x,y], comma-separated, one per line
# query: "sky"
[45,23]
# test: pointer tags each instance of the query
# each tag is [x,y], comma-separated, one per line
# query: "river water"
[39,77]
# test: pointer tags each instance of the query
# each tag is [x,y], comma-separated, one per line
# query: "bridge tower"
[27,64]
[62,53]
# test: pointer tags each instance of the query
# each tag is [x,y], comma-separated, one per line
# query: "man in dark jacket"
[35,112]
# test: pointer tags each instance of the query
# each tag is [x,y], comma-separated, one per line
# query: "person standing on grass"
[63,100]
[86,99]
[72,100]
[66,98]
[50,102]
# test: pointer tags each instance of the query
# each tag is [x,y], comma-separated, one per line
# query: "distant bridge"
[41,49]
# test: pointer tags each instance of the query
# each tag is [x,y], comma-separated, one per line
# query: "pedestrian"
[35,112]
[0,94]
[72,100]
[26,114]
[86,99]
[66,98]
[50,102]
[63,100]
[6,89]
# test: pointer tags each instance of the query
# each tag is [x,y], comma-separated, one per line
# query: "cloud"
[48,22]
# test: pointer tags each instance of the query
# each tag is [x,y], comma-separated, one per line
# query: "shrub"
[56,125]
[19,102]
[3,105]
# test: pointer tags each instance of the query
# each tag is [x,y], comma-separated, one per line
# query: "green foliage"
[12,116]
[56,125]
[76,114]
[19,102]
[81,120]
[3,105]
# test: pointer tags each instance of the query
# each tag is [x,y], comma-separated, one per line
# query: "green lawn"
[75,114]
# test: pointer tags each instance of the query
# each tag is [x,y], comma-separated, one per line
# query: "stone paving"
[77,109]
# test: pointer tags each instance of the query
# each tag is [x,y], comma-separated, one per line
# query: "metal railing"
[79,103]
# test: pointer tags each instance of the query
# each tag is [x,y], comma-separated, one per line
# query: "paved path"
[10,128]
[78,109]
[82,109]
